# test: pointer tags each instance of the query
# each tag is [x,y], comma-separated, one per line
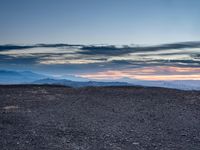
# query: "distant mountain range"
[9,77]
[15,77]
[28,77]
[79,83]
[175,84]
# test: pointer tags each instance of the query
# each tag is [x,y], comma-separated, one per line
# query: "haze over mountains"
[15,77]
[28,77]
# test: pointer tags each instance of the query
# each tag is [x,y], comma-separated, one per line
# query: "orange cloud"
[149,73]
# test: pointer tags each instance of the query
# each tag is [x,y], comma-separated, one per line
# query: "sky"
[109,39]
[99,21]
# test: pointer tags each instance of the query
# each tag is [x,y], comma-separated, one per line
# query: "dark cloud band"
[71,57]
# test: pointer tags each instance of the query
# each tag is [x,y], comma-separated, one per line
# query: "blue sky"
[164,34]
[99,21]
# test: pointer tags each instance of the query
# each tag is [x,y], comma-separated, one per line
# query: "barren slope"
[98,118]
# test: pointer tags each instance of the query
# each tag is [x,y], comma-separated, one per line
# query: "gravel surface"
[98,118]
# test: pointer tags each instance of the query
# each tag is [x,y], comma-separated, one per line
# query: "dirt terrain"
[98,118]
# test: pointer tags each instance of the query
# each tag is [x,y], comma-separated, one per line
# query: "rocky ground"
[98,118]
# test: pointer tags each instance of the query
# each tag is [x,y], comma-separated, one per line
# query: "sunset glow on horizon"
[148,73]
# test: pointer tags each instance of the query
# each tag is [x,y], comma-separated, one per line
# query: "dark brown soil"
[98,118]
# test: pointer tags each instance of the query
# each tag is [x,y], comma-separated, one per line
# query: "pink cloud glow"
[149,73]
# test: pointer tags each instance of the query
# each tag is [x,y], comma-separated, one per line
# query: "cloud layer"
[148,73]
[101,60]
